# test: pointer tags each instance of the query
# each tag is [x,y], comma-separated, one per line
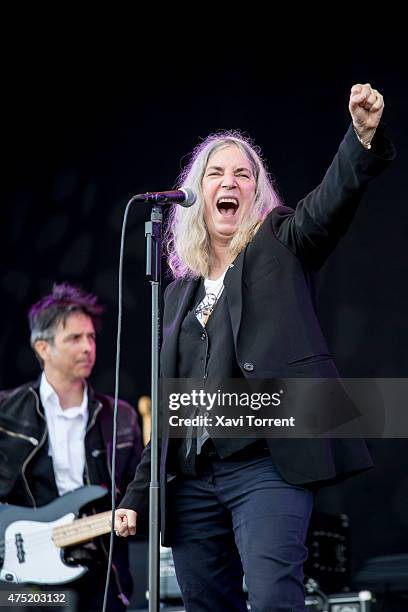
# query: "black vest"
[208,354]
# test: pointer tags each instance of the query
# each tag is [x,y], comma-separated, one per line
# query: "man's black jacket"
[26,472]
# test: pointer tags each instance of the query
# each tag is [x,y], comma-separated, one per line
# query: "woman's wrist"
[364,136]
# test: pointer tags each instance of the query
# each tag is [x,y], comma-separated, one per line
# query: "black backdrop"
[88,124]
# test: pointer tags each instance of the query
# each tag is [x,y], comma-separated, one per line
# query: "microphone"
[184,196]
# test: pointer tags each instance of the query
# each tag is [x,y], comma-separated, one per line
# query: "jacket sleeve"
[321,218]
[137,494]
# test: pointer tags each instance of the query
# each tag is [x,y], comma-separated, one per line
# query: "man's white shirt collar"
[49,397]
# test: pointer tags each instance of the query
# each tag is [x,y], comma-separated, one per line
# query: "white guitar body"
[28,552]
[41,556]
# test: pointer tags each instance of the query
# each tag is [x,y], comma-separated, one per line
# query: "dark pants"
[238,516]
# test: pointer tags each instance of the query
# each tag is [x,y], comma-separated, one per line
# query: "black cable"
[115,407]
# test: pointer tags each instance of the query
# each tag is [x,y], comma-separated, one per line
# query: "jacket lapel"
[233,287]
[177,302]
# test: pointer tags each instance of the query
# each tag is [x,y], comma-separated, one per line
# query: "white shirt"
[213,290]
[66,435]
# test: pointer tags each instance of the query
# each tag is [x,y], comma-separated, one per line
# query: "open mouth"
[227,206]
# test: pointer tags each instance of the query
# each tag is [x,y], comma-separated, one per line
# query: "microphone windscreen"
[191,197]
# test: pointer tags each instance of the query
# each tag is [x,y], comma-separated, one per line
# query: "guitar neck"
[82,530]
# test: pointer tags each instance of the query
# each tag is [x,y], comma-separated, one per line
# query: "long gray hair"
[186,236]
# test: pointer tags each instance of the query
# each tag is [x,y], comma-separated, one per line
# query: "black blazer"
[269,290]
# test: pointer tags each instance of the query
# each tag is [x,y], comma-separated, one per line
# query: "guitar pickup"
[20,548]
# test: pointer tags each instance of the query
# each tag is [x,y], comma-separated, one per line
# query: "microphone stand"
[153,233]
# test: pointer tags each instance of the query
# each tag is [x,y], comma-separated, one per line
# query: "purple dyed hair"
[45,315]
